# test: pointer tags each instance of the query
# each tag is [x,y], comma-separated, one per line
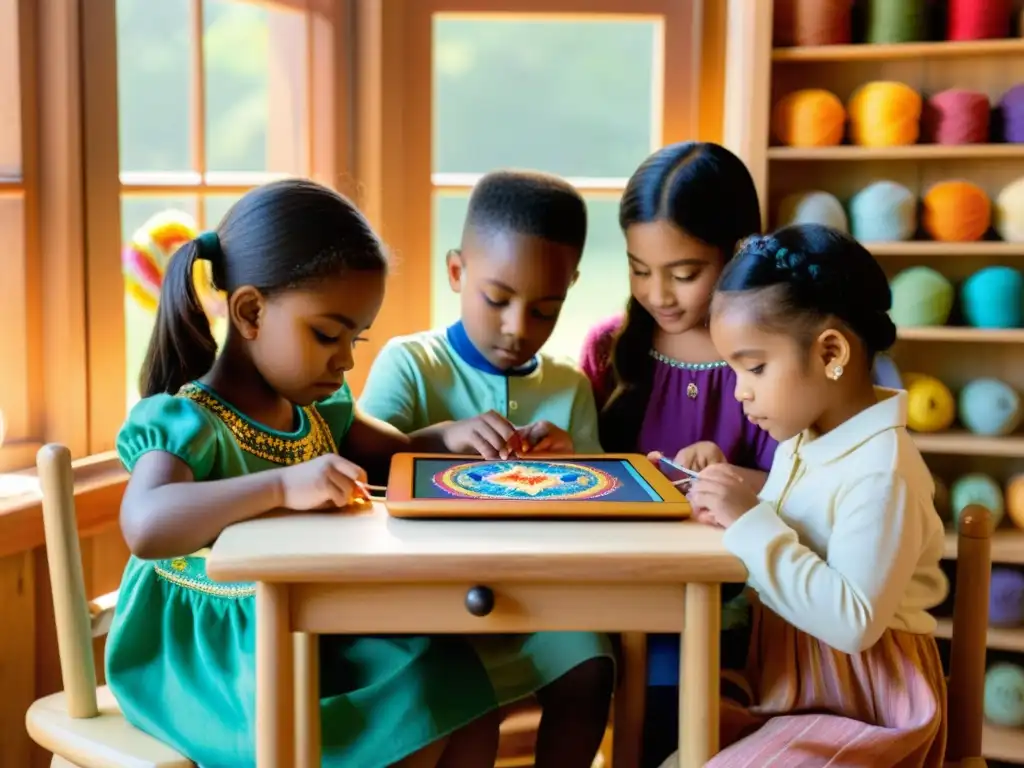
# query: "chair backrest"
[966,687]
[70,610]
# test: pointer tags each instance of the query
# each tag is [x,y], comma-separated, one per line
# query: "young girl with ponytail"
[269,423]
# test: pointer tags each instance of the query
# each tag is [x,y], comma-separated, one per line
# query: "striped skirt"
[810,706]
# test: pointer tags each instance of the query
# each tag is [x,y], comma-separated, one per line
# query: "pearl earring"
[837,371]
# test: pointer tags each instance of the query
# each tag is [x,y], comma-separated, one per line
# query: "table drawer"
[484,608]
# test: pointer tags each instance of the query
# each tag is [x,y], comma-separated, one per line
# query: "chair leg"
[628,704]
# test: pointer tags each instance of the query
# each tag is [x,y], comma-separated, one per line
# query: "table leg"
[307,700]
[275,686]
[699,669]
[629,702]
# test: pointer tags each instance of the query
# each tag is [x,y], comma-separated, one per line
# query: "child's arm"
[164,513]
[848,598]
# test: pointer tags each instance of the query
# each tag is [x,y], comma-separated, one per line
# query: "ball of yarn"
[814,207]
[883,212]
[1008,211]
[920,296]
[884,114]
[993,297]
[989,407]
[1015,500]
[896,21]
[1004,695]
[957,116]
[976,488]
[956,212]
[1011,107]
[941,499]
[822,22]
[931,407]
[812,117]
[1006,598]
[978,19]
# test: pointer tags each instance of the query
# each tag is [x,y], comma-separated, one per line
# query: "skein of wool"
[822,22]
[1012,108]
[783,24]
[1008,212]
[809,118]
[896,21]
[884,114]
[956,116]
[883,212]
[956,212]
[978,19]
[813,207]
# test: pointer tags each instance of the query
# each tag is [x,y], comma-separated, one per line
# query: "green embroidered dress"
[181,651]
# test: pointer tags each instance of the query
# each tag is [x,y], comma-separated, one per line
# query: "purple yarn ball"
[1006,598]
[1012,106]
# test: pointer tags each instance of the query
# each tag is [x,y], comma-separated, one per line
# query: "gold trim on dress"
[278,449]
[202,585]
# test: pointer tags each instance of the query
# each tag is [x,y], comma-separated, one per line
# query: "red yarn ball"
[957,116]
[978,19]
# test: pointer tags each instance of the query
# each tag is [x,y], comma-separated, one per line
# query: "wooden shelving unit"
[757,76]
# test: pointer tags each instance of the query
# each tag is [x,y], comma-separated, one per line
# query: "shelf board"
[1001,638]
[888,52]
[1005,744]
[1007,548]
[960,443]
[933,249]
[965,335]
[909,152]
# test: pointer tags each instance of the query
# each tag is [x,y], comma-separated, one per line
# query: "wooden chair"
[82,725]
[966,684]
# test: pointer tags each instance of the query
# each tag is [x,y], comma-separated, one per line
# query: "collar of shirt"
[464,348]
[890,412]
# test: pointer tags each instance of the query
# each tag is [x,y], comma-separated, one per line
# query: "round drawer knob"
[480,601]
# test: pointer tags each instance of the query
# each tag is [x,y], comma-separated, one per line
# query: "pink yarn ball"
[957,116]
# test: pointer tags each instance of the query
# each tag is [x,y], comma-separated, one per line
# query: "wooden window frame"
[326,159]
[393,110]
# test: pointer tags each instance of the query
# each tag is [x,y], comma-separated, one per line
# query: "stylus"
[679,467]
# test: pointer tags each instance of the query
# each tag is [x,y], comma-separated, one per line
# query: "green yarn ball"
[1004,695]
[920,296]
[976,488]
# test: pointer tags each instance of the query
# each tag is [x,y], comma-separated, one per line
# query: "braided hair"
[805,275]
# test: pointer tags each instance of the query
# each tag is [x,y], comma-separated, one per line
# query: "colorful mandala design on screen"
[525,480]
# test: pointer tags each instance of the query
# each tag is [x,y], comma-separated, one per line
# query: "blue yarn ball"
[1004,695]
[883,212]
[989,407]
[994,298]
[976,488]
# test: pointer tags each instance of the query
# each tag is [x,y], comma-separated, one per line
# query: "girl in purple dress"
[660,385]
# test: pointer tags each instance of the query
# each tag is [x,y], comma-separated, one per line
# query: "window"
[19,400]
[576,97]
[214,99]
[582,88]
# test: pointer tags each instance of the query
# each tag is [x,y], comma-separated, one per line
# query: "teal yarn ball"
[920,296]
[993,298]
[883,212]
[976,488]
[813,207]
[1004,695]
[989,407]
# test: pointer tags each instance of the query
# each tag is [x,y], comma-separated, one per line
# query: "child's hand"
[326,481]
[700,456]
[544,437]
[720,496]
[489,434]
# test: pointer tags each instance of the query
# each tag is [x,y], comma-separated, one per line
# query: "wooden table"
[368,573]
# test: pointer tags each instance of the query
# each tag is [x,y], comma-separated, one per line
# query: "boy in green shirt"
[520,253]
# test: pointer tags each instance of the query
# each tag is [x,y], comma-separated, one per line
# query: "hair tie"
[208,247]
[795,264]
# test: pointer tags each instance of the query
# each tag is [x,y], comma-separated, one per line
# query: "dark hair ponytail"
[182,347]
[279,236]
[810,274]
[707,192]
